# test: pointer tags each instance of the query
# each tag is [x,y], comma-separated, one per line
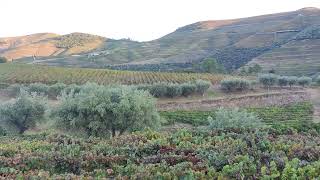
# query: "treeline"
[175,90]
[158,90]
[267,80]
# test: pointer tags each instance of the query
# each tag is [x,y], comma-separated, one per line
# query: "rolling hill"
[287,42]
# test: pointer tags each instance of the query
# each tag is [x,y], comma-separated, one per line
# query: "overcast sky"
[136,19]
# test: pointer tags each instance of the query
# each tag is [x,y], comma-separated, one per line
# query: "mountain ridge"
[234,43]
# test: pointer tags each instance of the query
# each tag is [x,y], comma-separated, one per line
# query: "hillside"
[48,44]
[289,39]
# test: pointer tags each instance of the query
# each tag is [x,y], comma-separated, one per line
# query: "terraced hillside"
[48,44]
[234,43]
[300,56]
[294,58]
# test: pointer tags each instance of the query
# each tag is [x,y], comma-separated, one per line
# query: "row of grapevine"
[20,73]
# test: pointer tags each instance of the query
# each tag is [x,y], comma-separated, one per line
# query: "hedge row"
[175,90]
[291,114]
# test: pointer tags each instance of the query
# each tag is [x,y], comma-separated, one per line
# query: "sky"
[140,20]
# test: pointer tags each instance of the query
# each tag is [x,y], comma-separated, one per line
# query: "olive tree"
[24,112]
[234,118]
[202,86]
[283,81]
[232,85]
[304,81]
[103,111]
[3,60]
[268,80]
[292,80]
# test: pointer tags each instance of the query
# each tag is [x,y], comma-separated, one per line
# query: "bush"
[292,80]
[56,89]
[202,86]
[72,89]
[3,60]
[304,81]
[102,111]
[268,80]
[283,81]
[188,89]
[39,88]
[234,118]
[3,132]
[15,89]
[23,112]
[173,90]
[317,80]
[231,85]
[158,90]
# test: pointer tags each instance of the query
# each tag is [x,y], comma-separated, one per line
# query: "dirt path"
[315,99]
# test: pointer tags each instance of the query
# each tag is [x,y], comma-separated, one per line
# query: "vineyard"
[296,113]
[20,73]
[274,153]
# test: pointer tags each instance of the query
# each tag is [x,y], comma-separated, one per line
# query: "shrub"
[317,80]
[39,88]
[3,60]
[283,81]
[231,85]
[3,132]
[292,80]
[173,90]
[188,89]
[304,81]
[56,89]
[202,86]
[72,89]
[268,80]
[23,112]
[15,89]
[234,118]
[102,111]
[158,89]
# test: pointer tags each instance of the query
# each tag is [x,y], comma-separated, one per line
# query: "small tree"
[317,80]
[174,90]
[102,111]
[268,80]
[234,118]
[24,112]
[283,81]
[211,65]
[56,89]
[39,88]
[187,89]
[304,81]
[232,85]
[202,86]
[158,89]
[3,60]
[292,80]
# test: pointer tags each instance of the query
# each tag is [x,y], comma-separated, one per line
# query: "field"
[185,145]
[19,73]
[270,154]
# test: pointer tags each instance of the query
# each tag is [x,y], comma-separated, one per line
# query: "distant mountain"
[48,44]
[286,42]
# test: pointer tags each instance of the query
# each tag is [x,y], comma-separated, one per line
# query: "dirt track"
[315,99]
